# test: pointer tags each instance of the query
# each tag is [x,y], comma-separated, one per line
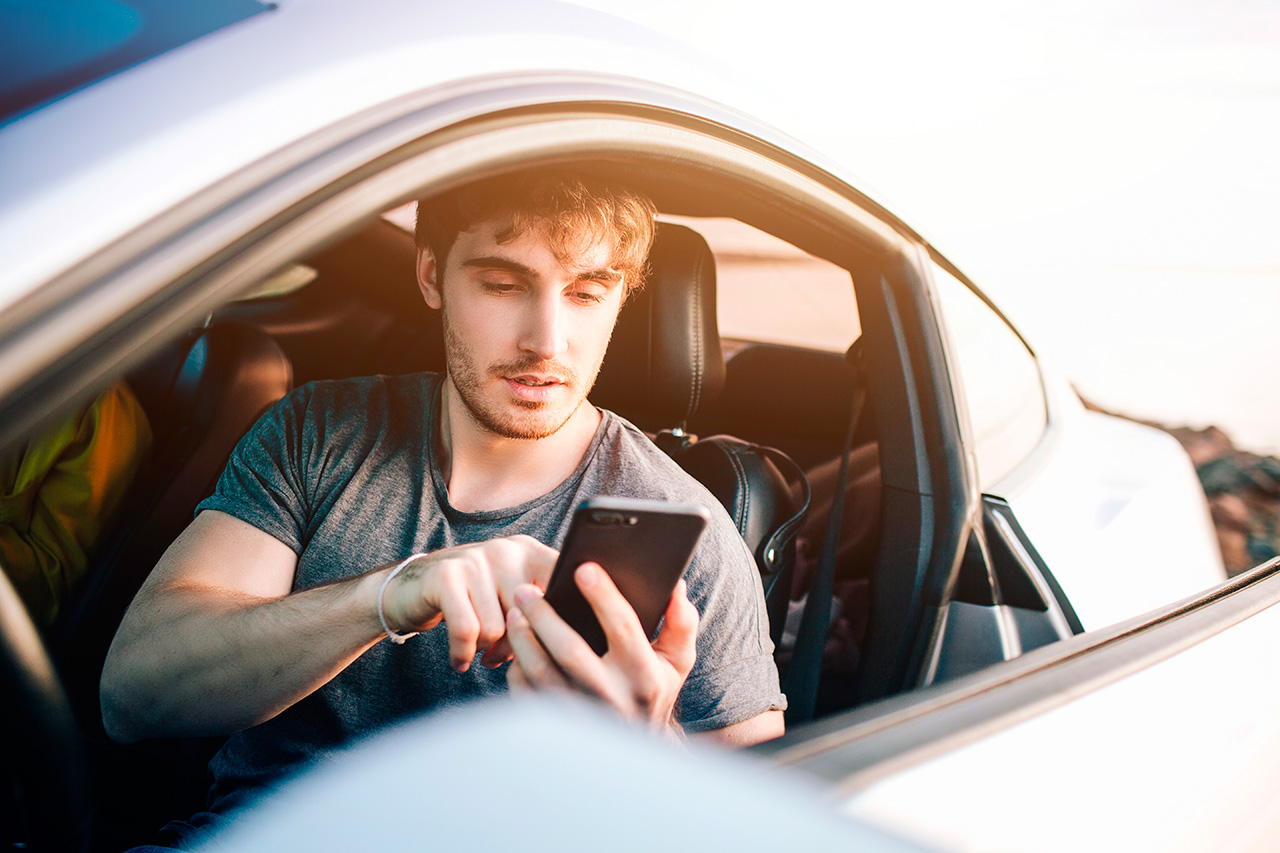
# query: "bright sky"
[1106,169]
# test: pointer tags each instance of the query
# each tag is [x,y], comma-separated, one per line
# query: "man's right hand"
[471,588]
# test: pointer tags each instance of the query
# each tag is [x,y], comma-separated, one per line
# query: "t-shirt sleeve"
[734,678]
[264,483]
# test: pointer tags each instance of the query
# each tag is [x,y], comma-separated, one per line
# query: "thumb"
[677,641]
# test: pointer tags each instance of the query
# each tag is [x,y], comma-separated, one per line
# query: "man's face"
[525,333]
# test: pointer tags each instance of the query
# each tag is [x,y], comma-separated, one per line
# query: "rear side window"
[999,377]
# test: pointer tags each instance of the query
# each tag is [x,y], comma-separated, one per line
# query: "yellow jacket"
[59,491]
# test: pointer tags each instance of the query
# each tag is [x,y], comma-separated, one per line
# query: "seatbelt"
[801,683]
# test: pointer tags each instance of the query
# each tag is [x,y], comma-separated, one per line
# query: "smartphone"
[643,545]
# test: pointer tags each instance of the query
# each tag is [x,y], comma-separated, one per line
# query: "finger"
[678,638]
[535,665]
[461,622]
[499,653]
[489,611]
[617,617]
[542,563]
[564,647]
[517,681]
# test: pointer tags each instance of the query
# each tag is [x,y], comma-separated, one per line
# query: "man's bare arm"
[215,641]
[758,729]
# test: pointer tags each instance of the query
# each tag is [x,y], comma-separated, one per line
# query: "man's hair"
[575,210]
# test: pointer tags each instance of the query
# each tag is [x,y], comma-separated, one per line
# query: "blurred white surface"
[543,774]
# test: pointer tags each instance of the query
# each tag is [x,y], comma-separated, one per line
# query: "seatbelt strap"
[801,684]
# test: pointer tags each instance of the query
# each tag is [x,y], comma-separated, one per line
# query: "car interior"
[784,433]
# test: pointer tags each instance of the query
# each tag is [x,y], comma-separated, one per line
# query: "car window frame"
[172,272]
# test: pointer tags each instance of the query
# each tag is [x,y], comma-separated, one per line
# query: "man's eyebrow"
[605,274]
[495,262]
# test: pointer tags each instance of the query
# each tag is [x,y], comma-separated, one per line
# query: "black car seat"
[663,364]
[201,393]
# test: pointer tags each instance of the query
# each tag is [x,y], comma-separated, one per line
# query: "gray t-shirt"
[346,474]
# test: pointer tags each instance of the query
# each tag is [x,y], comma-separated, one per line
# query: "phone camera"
[615,519]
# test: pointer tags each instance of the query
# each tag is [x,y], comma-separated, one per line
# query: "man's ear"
[428,278]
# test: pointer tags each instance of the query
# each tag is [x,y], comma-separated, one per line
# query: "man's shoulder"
[337,391]
[327,398]
[639,468]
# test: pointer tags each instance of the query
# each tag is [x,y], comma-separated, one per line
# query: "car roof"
[86,169]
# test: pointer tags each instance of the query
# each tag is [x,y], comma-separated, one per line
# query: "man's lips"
[530,388]
[535,380]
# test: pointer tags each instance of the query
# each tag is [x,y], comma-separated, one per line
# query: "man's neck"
[484,471]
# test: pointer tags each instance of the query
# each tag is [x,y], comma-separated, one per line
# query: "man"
[268,615]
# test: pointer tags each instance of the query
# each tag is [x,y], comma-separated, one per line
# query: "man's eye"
[499,286]
[587,297]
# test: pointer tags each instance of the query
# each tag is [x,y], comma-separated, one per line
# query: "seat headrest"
[664,361]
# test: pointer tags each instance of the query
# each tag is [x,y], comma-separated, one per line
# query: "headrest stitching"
[696,387]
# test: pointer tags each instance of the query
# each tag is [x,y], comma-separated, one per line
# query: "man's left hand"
[638,678]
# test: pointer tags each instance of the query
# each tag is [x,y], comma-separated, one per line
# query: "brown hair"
[574,209]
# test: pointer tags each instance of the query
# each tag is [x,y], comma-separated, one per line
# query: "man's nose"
[545,334]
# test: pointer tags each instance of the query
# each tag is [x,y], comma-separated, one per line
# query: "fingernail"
[514,615]
[588,574]
[526,593]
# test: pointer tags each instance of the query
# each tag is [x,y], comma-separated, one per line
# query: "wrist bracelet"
[394,636]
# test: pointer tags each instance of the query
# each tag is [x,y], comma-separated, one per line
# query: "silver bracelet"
[394,636]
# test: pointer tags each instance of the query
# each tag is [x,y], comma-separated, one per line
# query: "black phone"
[643,545]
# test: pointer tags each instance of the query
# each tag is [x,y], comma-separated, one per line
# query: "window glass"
[48,48]
[999,376]
[767,290]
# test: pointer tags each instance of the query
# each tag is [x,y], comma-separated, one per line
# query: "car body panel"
[1181,754]
[1092,508]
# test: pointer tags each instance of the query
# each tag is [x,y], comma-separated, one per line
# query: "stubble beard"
[469,378]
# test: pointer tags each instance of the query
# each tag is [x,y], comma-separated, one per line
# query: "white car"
[215,209]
